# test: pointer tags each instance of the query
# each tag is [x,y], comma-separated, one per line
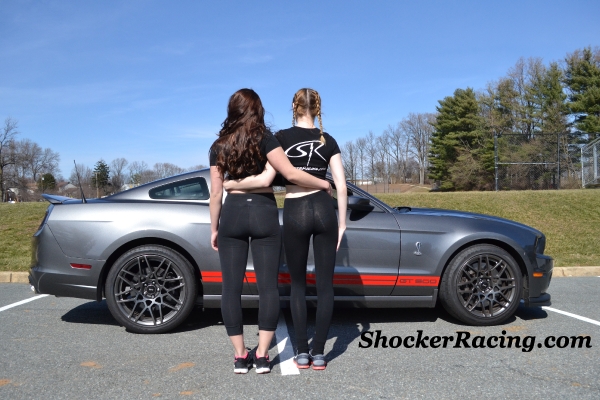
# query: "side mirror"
[357,203]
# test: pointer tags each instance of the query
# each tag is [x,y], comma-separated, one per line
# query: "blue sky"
[150,80]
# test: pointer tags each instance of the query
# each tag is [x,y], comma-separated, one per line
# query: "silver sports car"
[147,251]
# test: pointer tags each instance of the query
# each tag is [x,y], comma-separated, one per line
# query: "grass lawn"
[569,218]
[18,222]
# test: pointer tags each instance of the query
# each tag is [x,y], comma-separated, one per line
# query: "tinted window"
[189,189]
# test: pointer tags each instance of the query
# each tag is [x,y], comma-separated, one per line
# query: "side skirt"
[251,301]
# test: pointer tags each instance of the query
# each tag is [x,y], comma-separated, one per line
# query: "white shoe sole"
[262,370]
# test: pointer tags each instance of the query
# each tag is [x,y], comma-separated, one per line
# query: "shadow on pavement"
[348,324]
[93,312]
[97,313]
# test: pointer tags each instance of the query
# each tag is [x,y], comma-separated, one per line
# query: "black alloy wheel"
[482,285]
[151,289]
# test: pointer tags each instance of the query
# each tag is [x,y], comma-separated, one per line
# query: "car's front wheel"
[482,285]
[150,289]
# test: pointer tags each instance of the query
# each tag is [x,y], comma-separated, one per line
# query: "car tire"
[151,289]
[482,285]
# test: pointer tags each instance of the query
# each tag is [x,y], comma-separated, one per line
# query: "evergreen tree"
[582,77]
[46,182]
[552,106]
[457,141]
[100,175]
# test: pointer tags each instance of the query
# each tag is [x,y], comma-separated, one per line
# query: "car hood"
[464,214]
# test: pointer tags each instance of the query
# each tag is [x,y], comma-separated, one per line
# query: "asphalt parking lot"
[72,349]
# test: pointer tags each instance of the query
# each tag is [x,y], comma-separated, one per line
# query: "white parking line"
[286,352]
[591,321]
[18,303]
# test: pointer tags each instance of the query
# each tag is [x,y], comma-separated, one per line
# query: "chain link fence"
[590,164]
[538,162]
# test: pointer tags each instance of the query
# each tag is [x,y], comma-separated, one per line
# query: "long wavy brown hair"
[238,145]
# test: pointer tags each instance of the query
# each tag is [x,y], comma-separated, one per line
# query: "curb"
[14,277]
[575,271]
[558,272]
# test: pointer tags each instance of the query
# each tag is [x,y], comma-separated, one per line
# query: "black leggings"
[243,217]
[303,217]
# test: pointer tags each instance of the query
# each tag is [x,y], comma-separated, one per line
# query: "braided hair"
[307,101]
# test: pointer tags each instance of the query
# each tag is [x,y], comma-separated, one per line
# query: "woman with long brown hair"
[309,213]
[245,147]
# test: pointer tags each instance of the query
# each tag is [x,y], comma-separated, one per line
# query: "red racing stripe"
[251,277]
[212,276]
[341,279]
[364,280]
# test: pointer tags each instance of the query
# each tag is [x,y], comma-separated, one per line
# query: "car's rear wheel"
[151,289]
[482,285]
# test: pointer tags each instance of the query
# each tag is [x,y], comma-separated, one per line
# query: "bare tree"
[164,170]
[136,169]
[40,161]
[418,129]
[84,180]
[371,149]
[400,151]
[117,167]
[361,152]
[7,151]
[139,173]
[396,140]
[196,167]
[350,161]
[383,158]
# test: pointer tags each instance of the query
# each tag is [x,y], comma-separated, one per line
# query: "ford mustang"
[147,251]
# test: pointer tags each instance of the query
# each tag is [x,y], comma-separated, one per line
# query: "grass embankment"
[569,218]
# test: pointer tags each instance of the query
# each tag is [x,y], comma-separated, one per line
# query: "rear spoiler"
[56,199]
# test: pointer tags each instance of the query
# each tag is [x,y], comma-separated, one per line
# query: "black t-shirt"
[267,144]
[305,150]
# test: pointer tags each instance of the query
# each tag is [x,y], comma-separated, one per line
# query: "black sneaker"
[318,361]
[262,364]
[241,364]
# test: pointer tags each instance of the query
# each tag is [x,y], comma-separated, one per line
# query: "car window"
[189,189]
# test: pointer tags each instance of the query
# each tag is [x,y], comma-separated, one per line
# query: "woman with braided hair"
[309,213]
[245,147]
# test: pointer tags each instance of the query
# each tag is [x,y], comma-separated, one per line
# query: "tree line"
[24,165]
[120,174]
[27,170]
[530,112]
